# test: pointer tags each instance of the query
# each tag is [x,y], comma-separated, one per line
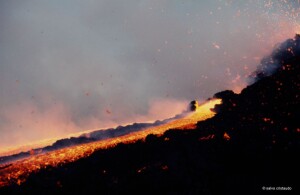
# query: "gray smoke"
[67,66]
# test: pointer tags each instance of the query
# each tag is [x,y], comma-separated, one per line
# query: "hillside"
[250,146]
[96,135]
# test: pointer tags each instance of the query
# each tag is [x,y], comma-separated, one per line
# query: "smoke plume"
[68,66]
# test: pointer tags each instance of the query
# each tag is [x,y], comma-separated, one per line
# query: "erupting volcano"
[252,133]
[94,97]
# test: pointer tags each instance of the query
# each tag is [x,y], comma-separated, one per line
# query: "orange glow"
[226,136]
[207,137]
[18,171]
[238,89]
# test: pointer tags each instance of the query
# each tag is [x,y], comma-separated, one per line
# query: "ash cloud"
[67,66]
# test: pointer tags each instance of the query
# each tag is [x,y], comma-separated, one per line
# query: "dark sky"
[68,66]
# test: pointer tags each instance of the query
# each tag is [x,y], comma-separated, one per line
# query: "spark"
[216,46]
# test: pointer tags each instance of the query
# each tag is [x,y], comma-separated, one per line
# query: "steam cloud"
[75,65]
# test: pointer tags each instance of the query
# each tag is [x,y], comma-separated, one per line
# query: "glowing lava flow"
[20,170]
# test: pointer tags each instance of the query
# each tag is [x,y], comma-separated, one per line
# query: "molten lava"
[18,172]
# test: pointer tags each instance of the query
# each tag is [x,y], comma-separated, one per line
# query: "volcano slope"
[250,146]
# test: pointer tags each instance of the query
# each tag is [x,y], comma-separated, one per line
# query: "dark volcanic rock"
[193,105]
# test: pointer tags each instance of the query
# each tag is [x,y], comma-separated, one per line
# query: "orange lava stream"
[18,171]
